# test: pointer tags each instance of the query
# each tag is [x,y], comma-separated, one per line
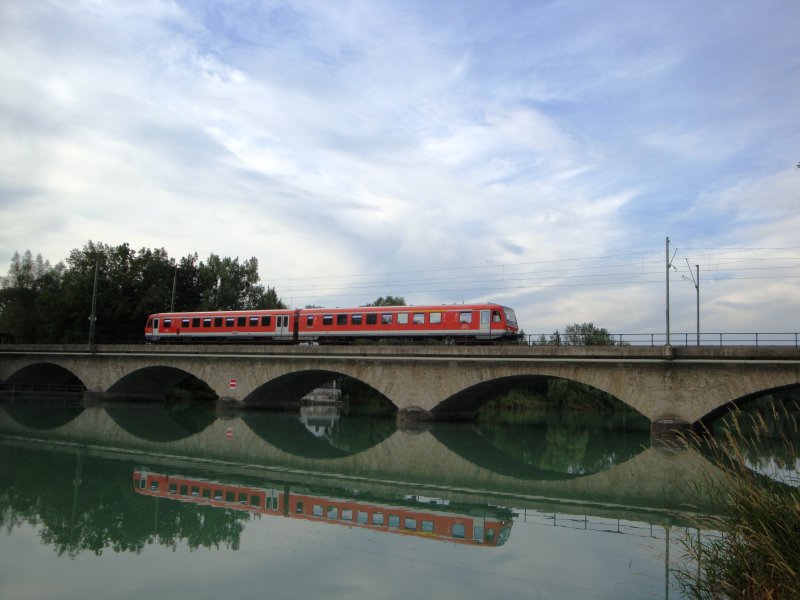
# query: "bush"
[751,544]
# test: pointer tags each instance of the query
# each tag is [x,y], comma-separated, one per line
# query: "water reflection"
[431,518]
[162,423]
[336,437]
[550,446]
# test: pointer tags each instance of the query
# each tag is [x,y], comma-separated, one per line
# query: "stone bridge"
[671,386]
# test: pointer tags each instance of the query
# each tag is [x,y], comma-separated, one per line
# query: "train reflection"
[427,518]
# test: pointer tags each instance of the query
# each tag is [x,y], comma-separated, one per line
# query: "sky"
[532,153]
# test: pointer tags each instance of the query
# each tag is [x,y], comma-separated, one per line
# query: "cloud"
[352,139]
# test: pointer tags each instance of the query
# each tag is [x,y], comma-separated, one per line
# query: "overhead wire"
[507,277]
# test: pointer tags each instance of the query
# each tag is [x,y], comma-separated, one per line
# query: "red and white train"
[423,521]
[485,322]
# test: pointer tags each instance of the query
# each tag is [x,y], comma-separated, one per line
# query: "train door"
[486,325]
[155,328]
[282,329]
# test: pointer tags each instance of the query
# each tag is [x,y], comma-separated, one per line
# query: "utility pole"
[667,253]
[174,282]
[669,265]
[696,282]
[93,316]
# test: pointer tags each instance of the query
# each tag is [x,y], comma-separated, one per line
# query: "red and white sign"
[229,432]
[232,384]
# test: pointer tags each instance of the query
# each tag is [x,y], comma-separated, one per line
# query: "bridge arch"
[743,401]
[45,373]
[286,390]
[155,381]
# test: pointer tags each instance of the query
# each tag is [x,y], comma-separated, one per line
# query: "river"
[139,501]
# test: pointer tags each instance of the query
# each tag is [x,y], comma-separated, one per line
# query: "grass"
[750,545]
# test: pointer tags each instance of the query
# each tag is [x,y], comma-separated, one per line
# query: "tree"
[40,303]
[388,301]
[586,334]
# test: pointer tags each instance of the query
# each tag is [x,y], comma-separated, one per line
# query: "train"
[486,322]
[432,522]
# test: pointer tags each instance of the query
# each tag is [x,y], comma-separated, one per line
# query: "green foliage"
[578,334]
[749,546]
[40,303]
[388,301]
[549,394]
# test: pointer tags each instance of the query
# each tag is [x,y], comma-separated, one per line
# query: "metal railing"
[660,339]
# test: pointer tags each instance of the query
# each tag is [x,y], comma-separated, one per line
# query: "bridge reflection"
[456,458]
[89,499]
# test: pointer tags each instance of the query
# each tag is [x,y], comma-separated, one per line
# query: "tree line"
[44,303]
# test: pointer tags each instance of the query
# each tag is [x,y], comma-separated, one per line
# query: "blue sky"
[534,154]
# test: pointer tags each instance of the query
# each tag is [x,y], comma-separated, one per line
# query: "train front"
[510,324]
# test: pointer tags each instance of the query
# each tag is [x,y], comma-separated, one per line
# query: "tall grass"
[750,546]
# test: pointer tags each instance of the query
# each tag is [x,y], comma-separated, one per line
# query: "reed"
[750,546]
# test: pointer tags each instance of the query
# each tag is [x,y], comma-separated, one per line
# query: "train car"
[236,325]
[420,520]
[482,322]
[457,322]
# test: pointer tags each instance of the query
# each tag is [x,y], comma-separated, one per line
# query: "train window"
[333,512]
[195,490]
[477,533]
[436,317]
[427,526]
[149,323]
[173,488]
[266,321]
[167,323]
[240,321]
[255,501]
[327,320]
[457,530]
[356,319]
[419,319]
[341,319]
[185,323]
[299,507]
[394,521]
[228,321]
[465,317]
[377,518]
[217,494]
[242,498]
[217,321]
[496,317]
[347,514]
[196,322]
[484,317]
[184,490]
[230,497]
[207,322]
[410,524]
[386,319]
[402,319]
[253,321]
[317,510]
[372,319]
[206,493]
[310,321]
[362,517]
[490,535]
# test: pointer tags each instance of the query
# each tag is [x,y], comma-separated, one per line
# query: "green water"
[133,502]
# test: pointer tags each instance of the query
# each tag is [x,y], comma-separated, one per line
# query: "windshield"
[511,318]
